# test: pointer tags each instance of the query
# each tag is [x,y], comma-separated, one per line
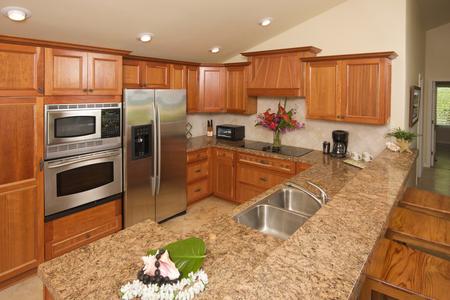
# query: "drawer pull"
[264,162]
[198,171]
[263,179]
[197,190]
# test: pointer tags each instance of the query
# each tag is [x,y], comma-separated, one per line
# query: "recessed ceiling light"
[214,50]
[145,37]
[265,22]
[15,13]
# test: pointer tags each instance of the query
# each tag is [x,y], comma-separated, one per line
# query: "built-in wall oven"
[77,182]
[73,129]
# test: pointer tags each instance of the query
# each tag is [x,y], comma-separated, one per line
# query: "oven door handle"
[81,159]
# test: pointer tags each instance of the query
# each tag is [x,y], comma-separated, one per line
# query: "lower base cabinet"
[73,231]
[245,192]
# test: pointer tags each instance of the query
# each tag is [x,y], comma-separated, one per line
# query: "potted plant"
[403,138]
[279,122]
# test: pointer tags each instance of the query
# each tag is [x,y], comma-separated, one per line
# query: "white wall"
[354,26]
[437,68]
[415,69]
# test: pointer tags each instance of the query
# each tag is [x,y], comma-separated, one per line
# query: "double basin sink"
[283,212]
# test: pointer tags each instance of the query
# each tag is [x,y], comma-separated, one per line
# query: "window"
[443,105]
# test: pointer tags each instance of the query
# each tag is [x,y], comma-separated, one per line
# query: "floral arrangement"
[172,272]
[403,140]
[279,122]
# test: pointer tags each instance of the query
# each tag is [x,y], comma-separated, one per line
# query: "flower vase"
[276,146]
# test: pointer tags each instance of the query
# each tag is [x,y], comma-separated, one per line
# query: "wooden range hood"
[278,72]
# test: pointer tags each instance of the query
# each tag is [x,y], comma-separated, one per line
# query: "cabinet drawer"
[197,155]
[197,190]
[197,170]
[224,154]
[274,164]
[258,177]
[245,192]
[73,231]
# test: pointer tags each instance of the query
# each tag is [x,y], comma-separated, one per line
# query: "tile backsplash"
[361,137]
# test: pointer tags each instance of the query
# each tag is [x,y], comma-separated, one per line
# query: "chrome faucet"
[322,199]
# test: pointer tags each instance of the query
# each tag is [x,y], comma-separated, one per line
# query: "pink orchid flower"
[166,266]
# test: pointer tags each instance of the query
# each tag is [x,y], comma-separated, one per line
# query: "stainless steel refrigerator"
[154,154]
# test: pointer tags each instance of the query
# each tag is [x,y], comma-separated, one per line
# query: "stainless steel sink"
[283,212]
[294,200]
[271,220]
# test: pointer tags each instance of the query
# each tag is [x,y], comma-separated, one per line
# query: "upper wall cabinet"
[212,89]
[237,100]
[146,74]
[177,76]
[192,86]
[278,72]
[72,73]
[349,88]
[21,70]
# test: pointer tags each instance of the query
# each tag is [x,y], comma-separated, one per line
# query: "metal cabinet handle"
[91,90]
[263,179]
[85,90]
[198,171]
[198,190]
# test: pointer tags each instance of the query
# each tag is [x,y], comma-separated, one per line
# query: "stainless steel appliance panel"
[139,170]
[74,181]
[171,179]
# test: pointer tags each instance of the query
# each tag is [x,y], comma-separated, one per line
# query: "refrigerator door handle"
[158,177]
[154,150]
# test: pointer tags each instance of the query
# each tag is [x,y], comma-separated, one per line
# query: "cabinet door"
[177,76]
[65,72]
[322,90]
[105,74]
[212,89]
[245,192]
[21,186]
[223,177]
[131,73]
[236,89]
[192,82]
[155,75]
[365,90]
[21,70]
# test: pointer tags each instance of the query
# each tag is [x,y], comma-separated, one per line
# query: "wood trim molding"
[81,99]
[163,60]
[285,50]
[53,44]
[387,54]
[237,64]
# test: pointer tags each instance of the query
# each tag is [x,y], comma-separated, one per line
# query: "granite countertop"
[324,259]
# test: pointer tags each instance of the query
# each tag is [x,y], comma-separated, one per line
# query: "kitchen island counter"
[324,259]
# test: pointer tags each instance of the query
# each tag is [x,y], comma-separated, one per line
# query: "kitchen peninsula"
[324,259]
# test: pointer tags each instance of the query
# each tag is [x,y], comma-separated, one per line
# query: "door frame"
[434,86]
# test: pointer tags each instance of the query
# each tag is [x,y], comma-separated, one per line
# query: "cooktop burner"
[284,150]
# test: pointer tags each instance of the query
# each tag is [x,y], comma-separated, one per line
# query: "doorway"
[441,126]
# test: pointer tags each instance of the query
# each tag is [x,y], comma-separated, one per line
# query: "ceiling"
[183,29]
[434,13]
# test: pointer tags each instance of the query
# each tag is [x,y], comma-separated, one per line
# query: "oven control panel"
[110,123]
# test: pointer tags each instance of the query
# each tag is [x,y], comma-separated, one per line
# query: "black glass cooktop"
[267,147]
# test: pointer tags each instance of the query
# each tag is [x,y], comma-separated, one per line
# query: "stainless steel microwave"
[73,129]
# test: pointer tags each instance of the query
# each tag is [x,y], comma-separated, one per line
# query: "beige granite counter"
[324,259]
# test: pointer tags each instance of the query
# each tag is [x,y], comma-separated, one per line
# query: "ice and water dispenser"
[141,137]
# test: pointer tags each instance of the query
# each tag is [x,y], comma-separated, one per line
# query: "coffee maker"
[340,143]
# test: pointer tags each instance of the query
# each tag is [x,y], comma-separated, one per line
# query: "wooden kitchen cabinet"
[224,174]
[131,73]
[237,100]
[79,73]
[155,75]
[177,76]
[212,89]
[21,70]
[192,89]
[198,175]
[278,72]
[349,88]
[81,228]
[21,187]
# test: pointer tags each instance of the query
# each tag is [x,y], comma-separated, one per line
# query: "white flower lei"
[185,289]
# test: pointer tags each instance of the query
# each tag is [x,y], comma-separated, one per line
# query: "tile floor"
[437,179]
[197,214]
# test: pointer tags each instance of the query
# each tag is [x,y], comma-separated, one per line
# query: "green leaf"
[188,255]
